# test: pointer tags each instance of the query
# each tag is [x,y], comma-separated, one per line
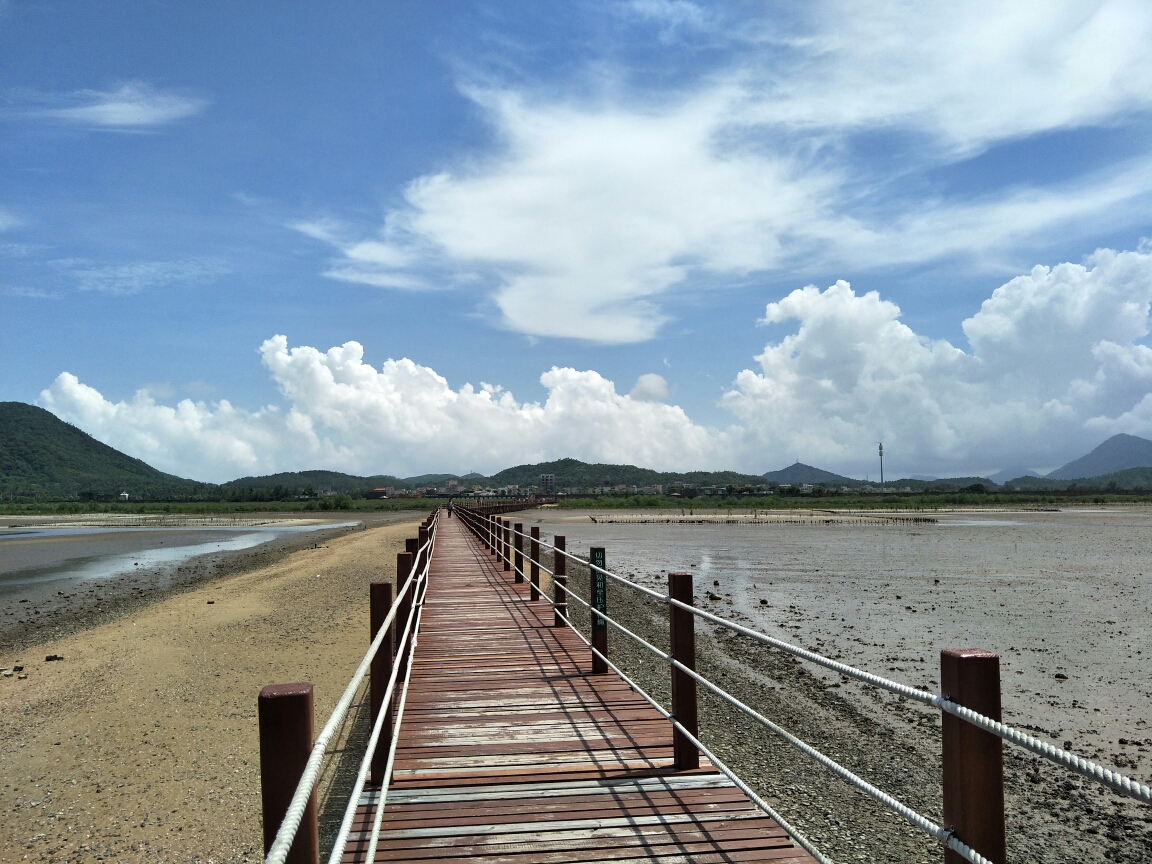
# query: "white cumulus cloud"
[401,418]
[650,387]
[1055,362]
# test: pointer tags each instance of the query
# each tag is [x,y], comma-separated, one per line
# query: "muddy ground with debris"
[1063,597]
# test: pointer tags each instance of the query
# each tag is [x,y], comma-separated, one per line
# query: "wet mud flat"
[142,745]
[1063,597]
[61,587]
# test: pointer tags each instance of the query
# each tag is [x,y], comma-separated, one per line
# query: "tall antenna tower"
[881,463]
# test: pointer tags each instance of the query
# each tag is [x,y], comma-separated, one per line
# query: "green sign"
[599,588]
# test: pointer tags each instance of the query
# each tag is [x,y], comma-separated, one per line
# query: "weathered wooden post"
[518,543]
[973,758]
[505,551]
[381,669]
[598,589]
[404,561]
[534,558]
[559,582]
[285,717]
[424,553]
[682,639]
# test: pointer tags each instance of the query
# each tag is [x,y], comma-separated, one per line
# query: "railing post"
[598,589]
[381,669]
[504,544]
[534,558]
[285,717]
[973,758]
[559,582]
[518,543]
[682,639]
[404,562]
[425,554]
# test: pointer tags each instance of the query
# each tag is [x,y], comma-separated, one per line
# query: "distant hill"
[428,480]
[44,458]
[1002,477]
[573,472]
[1118,453]
[318,481]
[1139,479]
[798,472]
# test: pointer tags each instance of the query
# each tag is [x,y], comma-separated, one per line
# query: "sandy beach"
[141,744]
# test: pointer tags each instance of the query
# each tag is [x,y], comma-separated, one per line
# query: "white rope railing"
[341,840]
[278,851]
[1085,767]
[378,819]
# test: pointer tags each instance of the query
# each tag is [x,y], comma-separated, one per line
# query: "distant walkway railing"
[290,761]
[973,792]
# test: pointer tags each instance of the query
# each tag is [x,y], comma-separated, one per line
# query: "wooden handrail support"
[559,582]
[682,639]
[598,600]
[285,718]
[534,558]
[404,609]
[973,758]
[518,546]
[380,594]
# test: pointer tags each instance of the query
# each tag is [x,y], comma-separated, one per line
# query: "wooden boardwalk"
[512,752]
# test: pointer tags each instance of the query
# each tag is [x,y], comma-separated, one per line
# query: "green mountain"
[573,472]
[44,458]
[1138,479]
[1118,453]
[798,472]
[318,481]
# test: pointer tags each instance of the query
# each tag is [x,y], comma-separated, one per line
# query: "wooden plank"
[512,752]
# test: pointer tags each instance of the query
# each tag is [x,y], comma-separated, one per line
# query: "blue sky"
[616,190]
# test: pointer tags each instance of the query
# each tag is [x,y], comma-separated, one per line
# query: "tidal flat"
[1065,599]
[61,575]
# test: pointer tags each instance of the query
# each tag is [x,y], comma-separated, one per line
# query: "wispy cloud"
[124,279]
[133,106]
[7,220]
[24,291]
[595,207]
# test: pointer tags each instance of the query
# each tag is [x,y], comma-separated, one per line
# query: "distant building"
[547,483]
[381,493]
[453,485]
[123,496]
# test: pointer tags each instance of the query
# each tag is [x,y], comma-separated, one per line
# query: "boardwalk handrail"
[278,851]
[1111,779]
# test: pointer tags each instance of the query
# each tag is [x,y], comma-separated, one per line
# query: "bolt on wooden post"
[285,717]
[598,589]
[518,541]
[534,558]
[973,758]
[682,638]
[381,601]
[559,582]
